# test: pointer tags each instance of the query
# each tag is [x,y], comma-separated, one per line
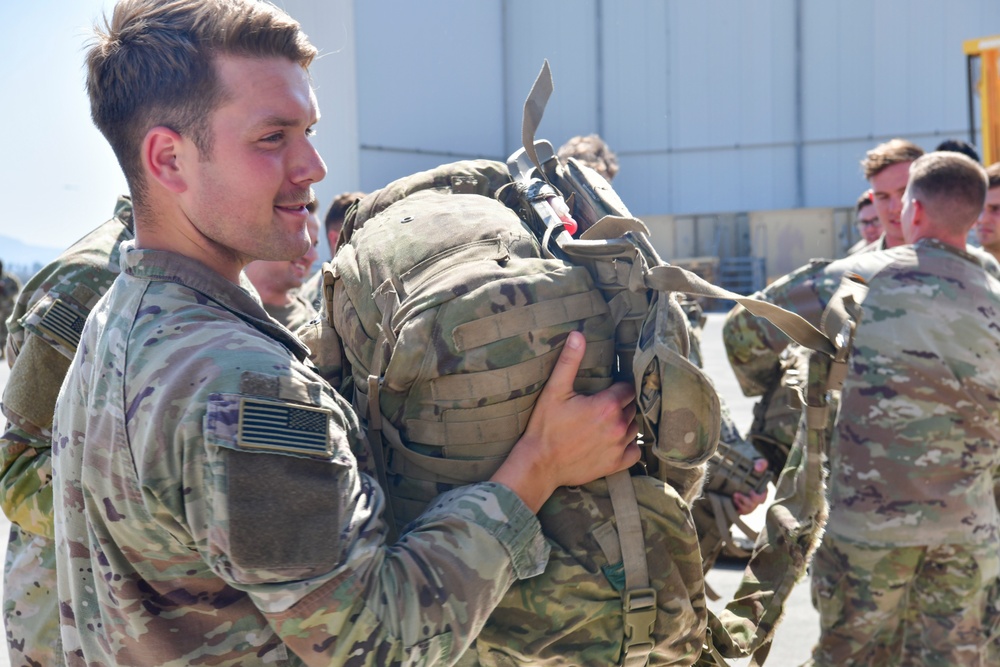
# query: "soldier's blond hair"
[891,152]
[152,63]
[951,187]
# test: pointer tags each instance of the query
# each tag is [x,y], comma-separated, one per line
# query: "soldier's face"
[249,194]
[868,223]
[887,192]
[988,225]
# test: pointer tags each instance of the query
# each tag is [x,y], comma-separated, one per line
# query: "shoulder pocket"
[283,484]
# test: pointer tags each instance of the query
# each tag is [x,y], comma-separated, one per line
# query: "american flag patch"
[63,322]
[284,427]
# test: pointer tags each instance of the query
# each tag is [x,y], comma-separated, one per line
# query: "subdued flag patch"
[63,323]
[284,427]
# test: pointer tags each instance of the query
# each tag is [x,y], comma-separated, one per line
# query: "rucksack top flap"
[479,177]
[425,224]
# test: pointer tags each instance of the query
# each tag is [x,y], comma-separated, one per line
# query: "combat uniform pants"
[927,605]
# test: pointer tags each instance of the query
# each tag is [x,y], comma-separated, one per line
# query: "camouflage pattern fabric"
[776,415]
[925,379]
[730,471]
[293,316]
[312,290]
[44,329]
[9,289]
[914,455]
[989,263]
[754,345]
[189,534]
[933,605]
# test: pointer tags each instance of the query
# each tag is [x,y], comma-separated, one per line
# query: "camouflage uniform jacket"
[915,449]
[312,290]
[45,325]
[915,445]
[210,510]
[295,315]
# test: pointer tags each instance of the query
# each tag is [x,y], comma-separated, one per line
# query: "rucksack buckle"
[639,615]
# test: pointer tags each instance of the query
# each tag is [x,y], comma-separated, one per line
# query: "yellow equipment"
[984,54]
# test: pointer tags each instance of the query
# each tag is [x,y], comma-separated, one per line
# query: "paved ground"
[800,627]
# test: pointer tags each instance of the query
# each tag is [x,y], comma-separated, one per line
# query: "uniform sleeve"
[285,516]
[29,401]
[754,345]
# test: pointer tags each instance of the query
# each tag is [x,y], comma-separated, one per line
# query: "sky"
[60,178]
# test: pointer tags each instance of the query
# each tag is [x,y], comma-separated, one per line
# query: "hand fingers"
[564,373]
[760,465]
[622,392]
[631,454]
[741,502]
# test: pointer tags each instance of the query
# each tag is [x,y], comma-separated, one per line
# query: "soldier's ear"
[163,153]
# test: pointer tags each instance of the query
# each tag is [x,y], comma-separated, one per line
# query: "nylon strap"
[533,317]
[514,378]
[670,278]
[534,107]
[638,599]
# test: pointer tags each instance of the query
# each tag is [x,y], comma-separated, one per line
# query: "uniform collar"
[166,266]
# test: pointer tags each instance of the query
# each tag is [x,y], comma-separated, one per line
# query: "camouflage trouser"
[30,600]
[928,606]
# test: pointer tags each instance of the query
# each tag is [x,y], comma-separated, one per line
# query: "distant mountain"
[23,258]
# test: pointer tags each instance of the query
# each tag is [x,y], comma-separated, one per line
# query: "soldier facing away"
[908,569]
[209,507]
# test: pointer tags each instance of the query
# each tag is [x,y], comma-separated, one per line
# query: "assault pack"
[450,297]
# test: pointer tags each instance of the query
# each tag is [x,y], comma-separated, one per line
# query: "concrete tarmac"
[800,627]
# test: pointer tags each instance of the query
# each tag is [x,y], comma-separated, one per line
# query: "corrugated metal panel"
[788,239]
[699,99]
[430,79]
[564,32]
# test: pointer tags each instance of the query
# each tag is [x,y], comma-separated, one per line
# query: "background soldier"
[908,569]
[312,289]
[9,288]
[45,331]
[278,283]
[592,151]
[988,225]
[866,218]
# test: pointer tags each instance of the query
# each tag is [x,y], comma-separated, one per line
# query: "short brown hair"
[592,151]
[864,200]
[951,186]
[338,210]
[891,152]
[153,64]
[993,174]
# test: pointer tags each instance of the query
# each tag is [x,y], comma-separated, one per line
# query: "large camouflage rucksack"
[451,320]
[452,294]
